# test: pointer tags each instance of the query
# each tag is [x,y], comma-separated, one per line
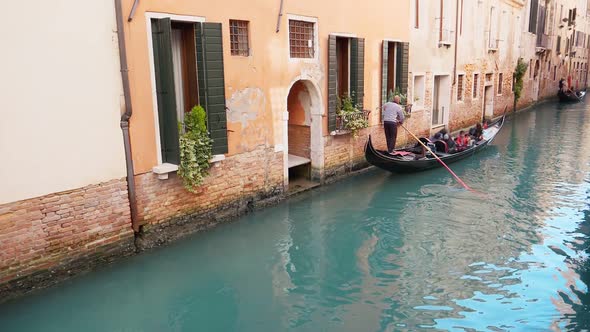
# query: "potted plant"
[351,117]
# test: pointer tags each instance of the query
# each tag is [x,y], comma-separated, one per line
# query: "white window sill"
[164,169]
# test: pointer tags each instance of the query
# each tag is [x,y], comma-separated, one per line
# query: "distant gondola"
[568,97]
[408,160]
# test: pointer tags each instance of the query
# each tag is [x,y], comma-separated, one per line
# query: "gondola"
[411,160]
[568,97]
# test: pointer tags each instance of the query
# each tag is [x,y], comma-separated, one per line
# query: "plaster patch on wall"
[305,100]
[313,72]
[245,105]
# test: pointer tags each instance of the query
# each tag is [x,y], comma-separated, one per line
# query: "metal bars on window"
[238,35]
[301,39]
[460,88]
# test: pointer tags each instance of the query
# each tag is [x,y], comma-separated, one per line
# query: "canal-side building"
[555,45]
[63,192]
[270,84]
[467,58]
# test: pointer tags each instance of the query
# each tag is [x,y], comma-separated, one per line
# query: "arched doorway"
[304,118]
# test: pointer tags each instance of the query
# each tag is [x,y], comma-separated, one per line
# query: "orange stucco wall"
[257,86]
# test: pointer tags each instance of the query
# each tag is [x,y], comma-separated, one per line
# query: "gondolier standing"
[393,116]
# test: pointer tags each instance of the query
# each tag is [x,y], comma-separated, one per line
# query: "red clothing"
[461,141]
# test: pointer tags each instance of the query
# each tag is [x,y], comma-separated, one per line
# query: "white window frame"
[421,105]
[459,73]
[478,84]
[162,169]
[316,48]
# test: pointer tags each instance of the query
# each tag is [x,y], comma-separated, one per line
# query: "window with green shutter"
[165,90]
[357,71]
[188,63]
[346,73]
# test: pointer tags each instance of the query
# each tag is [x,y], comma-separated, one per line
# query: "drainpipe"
[440,31]
[456,40]
[280,15]
[126,116]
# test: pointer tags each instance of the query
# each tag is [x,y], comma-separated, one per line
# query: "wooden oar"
[439,160]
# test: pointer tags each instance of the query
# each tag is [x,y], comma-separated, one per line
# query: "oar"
[438,159]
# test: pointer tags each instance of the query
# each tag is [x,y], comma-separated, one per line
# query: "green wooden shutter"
[168,123]
[332,78]
[384,62]
[401,75]
[357,71]
[211,82]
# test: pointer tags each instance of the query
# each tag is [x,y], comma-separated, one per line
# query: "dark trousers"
[390,134]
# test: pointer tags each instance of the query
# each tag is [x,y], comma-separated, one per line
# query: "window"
[500,82]
[531,69]
[394,70]
[558,45]
[346,63]
[185,78]
[417,17]
[554,72]
[301,39]
[238,35]
[460,87]
[475,79]
[493,35]
[419,85]
[533,16]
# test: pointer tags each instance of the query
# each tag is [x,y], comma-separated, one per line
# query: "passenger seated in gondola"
[468,140]
[478,132]
[460,142]
[451,146]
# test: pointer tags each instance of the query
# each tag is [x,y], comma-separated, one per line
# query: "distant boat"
[568,97]
[409,160]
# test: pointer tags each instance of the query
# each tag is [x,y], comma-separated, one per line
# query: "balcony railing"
[493,44]
[445,37]
[543,41]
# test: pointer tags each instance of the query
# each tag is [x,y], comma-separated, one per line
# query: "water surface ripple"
[377,252]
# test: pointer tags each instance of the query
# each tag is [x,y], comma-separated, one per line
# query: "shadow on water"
[376,252]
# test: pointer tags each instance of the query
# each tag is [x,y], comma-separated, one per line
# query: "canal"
[376,252]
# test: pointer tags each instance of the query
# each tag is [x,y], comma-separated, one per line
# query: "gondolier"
[393,116]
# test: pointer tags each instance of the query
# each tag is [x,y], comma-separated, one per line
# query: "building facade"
[64,194]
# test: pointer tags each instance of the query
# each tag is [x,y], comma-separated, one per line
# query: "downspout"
[280,15]
[440,31]
[126,116]
[456,40]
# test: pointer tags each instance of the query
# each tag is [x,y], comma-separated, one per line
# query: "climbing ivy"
[195,148]
[519,71]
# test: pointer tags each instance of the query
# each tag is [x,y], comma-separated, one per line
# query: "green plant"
[195,148]
[352,118]
[403,100]
[519,72]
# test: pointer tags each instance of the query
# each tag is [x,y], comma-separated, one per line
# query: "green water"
[377,252]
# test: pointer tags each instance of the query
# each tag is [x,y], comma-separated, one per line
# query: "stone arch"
[310,100]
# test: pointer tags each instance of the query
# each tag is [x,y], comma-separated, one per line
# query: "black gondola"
[568,97]
[410,160]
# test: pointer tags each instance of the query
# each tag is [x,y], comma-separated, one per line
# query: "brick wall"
[41,233]
[233,186]
[300,140]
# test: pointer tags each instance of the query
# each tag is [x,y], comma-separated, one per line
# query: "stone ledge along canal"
[376,252]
